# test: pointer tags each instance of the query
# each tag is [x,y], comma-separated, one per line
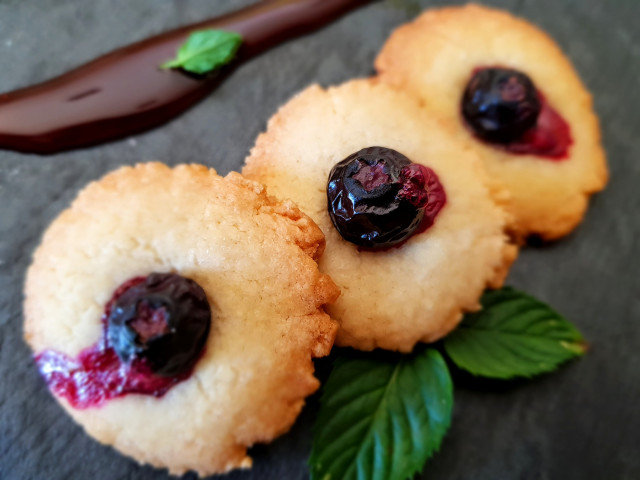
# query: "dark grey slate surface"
[581,423]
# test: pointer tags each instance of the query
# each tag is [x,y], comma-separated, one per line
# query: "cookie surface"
[417,292]
[254,258]
[433,57]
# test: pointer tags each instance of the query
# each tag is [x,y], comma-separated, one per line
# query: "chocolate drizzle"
[124,92]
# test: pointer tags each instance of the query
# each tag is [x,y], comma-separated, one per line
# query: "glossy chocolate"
[124,92]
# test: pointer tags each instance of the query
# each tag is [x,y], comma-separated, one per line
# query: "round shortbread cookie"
[417,292]
[253,257]
[433,57]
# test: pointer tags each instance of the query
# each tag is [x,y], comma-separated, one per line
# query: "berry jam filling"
[503,107]
[377,198]
[155,329]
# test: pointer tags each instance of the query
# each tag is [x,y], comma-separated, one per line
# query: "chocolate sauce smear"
[125,92]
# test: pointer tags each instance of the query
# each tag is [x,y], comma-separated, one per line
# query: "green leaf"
[514,335]
[381,417]
[205,51]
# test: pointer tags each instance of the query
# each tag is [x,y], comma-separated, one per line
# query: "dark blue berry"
[376,197]
[500,104]
[162,320]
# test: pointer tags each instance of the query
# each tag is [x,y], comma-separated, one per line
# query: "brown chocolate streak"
[124,92]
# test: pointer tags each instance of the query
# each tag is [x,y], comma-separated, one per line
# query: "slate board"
[580,423]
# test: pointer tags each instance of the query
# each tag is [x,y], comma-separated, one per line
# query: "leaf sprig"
[205,51]
[514,335]
[381,417]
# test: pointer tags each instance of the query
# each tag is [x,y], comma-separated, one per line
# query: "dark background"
[580,423]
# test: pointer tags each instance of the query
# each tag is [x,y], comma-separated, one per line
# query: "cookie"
[182,240]
[418,289]
[437,56]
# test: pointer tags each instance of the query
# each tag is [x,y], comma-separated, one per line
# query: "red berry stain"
[98,374]
[431,190]
[549,138]
[436,197]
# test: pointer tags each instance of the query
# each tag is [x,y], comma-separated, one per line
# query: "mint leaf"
[514,335]
[205,51]
[381,417]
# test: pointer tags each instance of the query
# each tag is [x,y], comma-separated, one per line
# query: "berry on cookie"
[413,234]
[377,198]
[174,314]
[508,90]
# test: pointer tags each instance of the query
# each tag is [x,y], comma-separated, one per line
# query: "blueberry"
[500,104]
[377,197]
[163,320]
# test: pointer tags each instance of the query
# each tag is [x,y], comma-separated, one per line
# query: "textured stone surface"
[581,423]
